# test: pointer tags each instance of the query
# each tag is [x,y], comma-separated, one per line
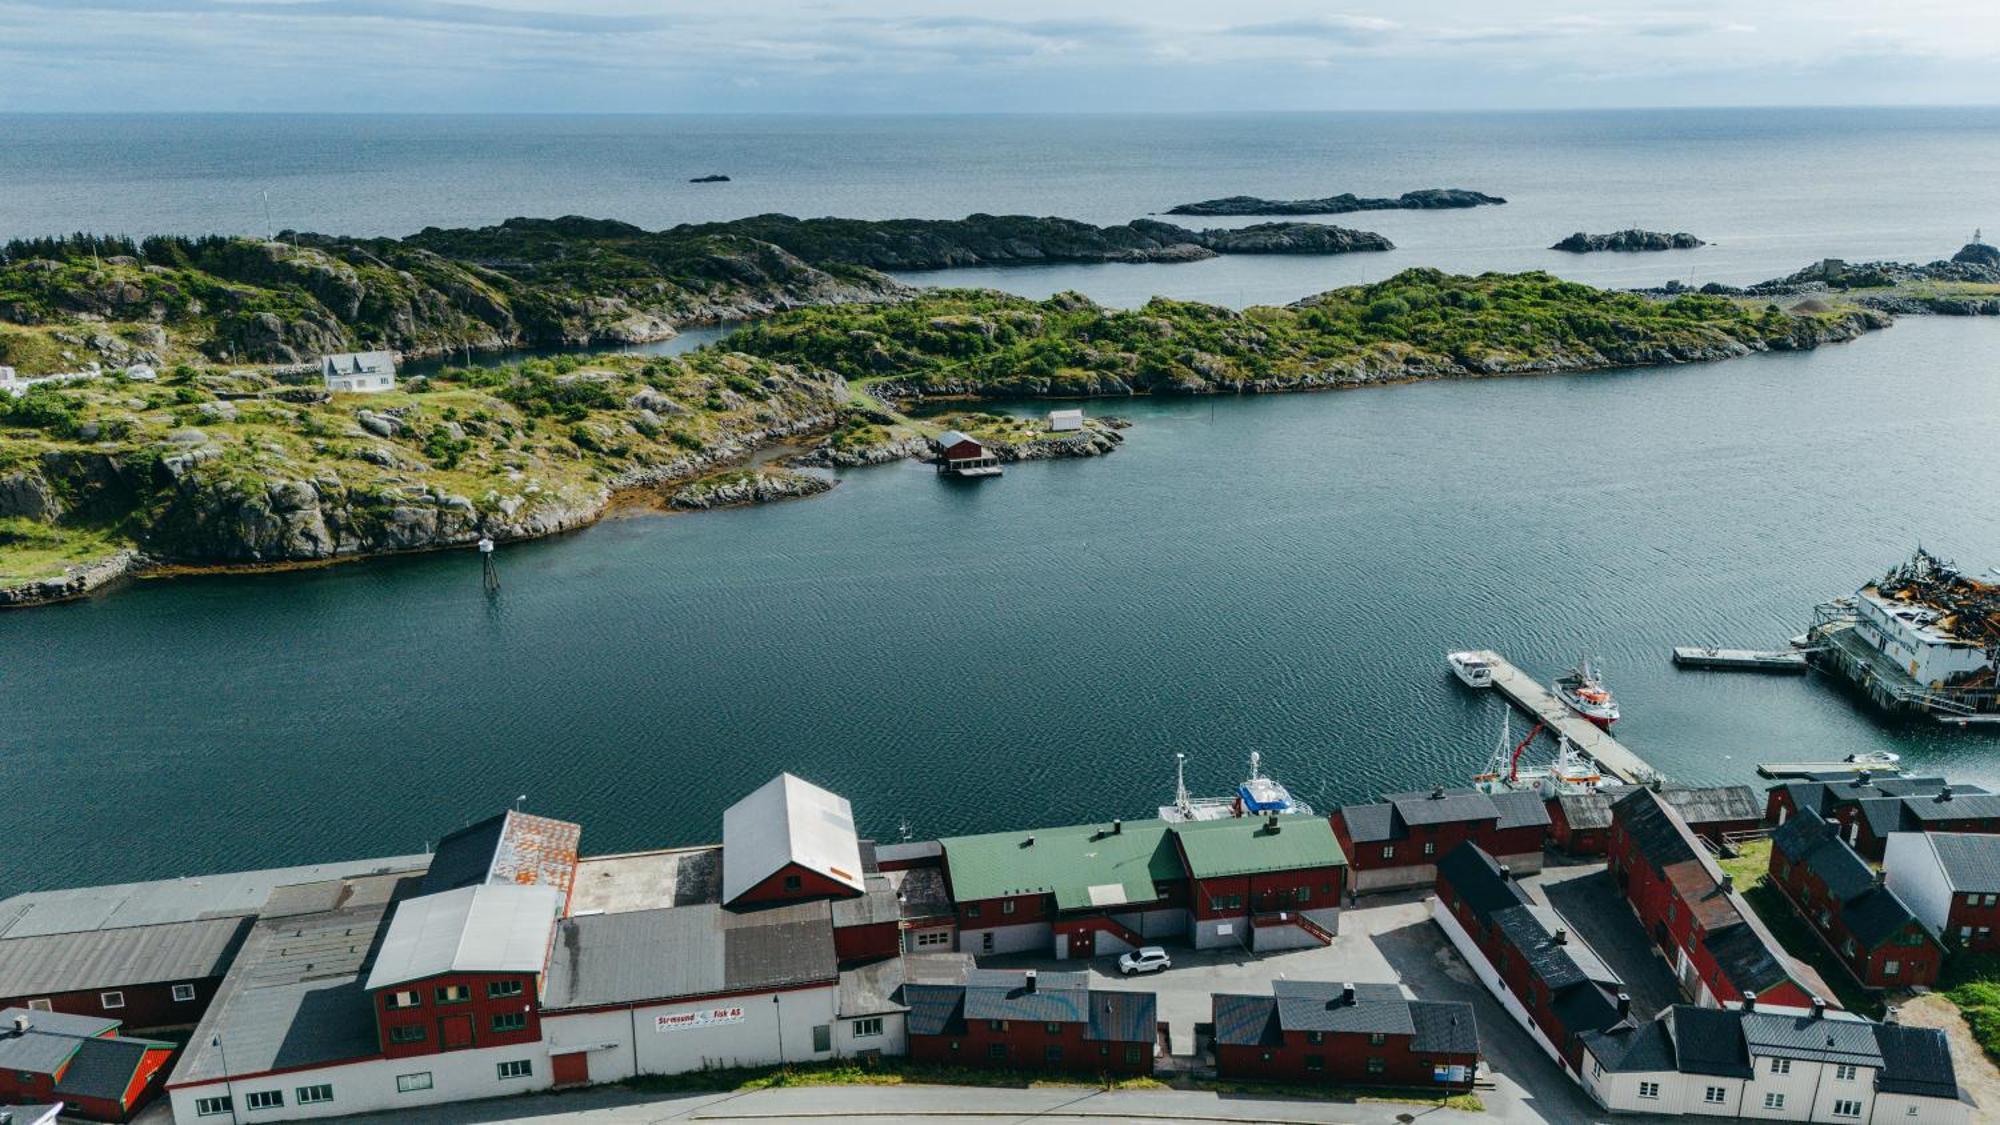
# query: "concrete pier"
[1529,694]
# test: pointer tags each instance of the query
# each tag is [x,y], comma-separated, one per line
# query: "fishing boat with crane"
[1582,691]
[1570,772]
[1256,796]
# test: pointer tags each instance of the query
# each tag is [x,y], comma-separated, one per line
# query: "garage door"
[572,1069]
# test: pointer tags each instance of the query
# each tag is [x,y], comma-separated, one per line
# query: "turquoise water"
[1279,574]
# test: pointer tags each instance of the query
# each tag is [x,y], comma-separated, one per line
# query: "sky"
[1011,56]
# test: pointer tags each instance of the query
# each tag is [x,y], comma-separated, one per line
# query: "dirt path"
[1976,1073]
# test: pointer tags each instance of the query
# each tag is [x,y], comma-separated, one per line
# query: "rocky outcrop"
[73,583]
[757,486]
[1427,199]
[714,178]
[1289,238]
[1627,240]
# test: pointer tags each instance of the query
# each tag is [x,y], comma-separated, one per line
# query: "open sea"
[1278,574]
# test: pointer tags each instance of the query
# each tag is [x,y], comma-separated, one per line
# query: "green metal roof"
[1083,866]
[1246,846]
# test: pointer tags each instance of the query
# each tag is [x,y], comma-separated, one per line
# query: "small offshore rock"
[1581,243]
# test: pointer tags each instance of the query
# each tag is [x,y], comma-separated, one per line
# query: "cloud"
[1354,30]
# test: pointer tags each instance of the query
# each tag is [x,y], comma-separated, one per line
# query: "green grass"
[1466,1102]
[880,1072]
[1972,982]
[1749,869]
[30,550]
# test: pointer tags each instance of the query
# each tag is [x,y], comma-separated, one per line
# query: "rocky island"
[1627,240]
[1427,199]
[1966,284]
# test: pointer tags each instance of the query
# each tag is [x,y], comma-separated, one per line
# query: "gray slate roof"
[998,994]
[1372,824]
[873,908]
[1431,806]
[1520,810]
[935,1009]
[1001,994]
[1971,860]
[1246,1021]
[1709,1040]
[1717,804]
[1915,1060]
[1446,1026]
[1317,1006]
[687,952]
[1836,1037]
[98,959]
[488,928]
[1870,912]
[51,1039]
[1122,1017]
[788,820]
[104,1068]
[1634,1049]
[238,894]
[871,989]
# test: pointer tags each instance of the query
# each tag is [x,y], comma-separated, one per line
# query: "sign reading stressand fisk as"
[689,1021]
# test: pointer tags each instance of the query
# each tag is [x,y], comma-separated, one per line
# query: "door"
[572,1069]
[986,942]
[455,1032]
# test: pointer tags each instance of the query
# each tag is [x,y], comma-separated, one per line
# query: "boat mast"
[1182,803]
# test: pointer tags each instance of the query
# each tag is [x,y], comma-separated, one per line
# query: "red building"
[140,976]
[78,1060]
[463,968]
[1866,925]
[1006,1020]
[1398,841]
[788,841]
[1346,1035]
[1867,809]
[1561,982]
[1580,823]
[870,927]
[1716,945]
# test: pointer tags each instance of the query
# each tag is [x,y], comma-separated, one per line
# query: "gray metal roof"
[1375,1009]
[489,928]
[879,905]
[50,1040]
[1971,860]
[687,952]
[104,1068]
[871,989]
[1835,1037]
[28,1114]
[788,820]
[293,996]
[234,894]
[906,851]
[98,959]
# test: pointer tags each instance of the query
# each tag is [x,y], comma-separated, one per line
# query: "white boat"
[1256,796]
[1582,692]
[1571,772]
[1470,668]
[1885,759]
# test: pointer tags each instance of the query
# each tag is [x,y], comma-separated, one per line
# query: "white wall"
[1490,977]
[1030,937]
[1894,1109]
[893,1041]
[1914,873]
[370,1087]
[618,1041]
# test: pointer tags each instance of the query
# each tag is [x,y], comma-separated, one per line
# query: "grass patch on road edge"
[1467,1102]
[880,1072]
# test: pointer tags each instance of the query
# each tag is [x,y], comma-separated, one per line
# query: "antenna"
[519,801]
[268,234]
[1256,759]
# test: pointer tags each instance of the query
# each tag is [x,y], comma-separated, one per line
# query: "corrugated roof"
[96,959]
[51,1038]
[1835,1037]
[492,928]
[513,847]
[236,894]
[1082,865]
[1971,860]
[1254,845]
[686,952]
[788,820]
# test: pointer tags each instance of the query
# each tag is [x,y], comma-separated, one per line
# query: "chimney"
[1029,843]
[1750,1001]
[1438,793]
[1862,779]
[20,1023]
[1819,1008]
[1347,992]
[1117,827]
[1506,873]
[1028,981]
[1271,822]
[1561,936]
[1624,1004]
[1944,794]
[1728,881]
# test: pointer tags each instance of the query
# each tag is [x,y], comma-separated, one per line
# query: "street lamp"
[228,1088]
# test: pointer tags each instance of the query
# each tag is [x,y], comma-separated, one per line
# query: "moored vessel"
[1472,669]
[1583,692]
[1256,796]
[1571,771]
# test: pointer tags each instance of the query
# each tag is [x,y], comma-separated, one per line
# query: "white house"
[1917,637]
[359,372]
[10,380]
[1060,420]
[1776,1064]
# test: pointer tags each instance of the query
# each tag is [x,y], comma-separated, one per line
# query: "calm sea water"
[1279,574]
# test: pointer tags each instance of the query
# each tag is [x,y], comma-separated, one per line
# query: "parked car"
[1151,959]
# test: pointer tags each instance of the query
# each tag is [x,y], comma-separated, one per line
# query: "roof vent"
[1819,1008]
[1028,843]
[1944,794]
[1506,872]
[1728,881]
[1862,779]
[1561,936]
[1624,1004]
[1028,981]
[1271,822]
[1750,1001]
[1117,827]
[1347,992]
[1438,793]
[20,1023]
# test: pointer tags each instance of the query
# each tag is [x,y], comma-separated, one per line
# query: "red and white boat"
[1582,692]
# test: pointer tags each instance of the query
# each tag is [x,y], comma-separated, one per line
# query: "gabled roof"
[1644,1048]
[950,438]
[1117,1016]
[789,821]
[1872,913]
[998,994]
[935,1009]
[358,363]
[1476,877]
[1444,806]
[1004,994]
[1915,1060]
[676,952]
[1709,1040]
[1246,1021]
[1372,824]
[1660,835]
[51,1038]
[879,905]
[98,959]
[1834,1036]
[512,847]
[1373,1009]
[1955,804]
[1524,809]
[1585,810]
[1083,866]
[1971,860]
[1251,845]
[235,894]
[489,928]
[105,1068]
[1447,1026]
[1715,804]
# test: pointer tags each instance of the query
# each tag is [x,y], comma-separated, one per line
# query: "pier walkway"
[1527,693]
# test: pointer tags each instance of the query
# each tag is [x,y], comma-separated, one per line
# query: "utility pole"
[269,233]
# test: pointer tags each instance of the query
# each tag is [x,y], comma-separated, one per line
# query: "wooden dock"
[1739,659]
[1778,771]
[1528,693]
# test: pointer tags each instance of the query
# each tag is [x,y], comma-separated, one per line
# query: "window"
[1892,968]
[510,1021]
[499,989]
[934,937]
[1315,1062]
[996,1051]
[517,1068]
[1430,847]
[411,1083]
[1007,907]
[1376,1039]
[407,1033]
[183,993]
[1846,1107]
[1315,1037]
[1596,1068]
[39,1006]
[1388,851]
[996,1025]
[399,1000]
[1132,1054]
[314,1095]
[1303,894]
[110,1000]
[1715,1095]
[1052,1053]
[868,1028]
[793,884]
[1774,1101]
[1377,1066]
[823,1037]
[1052,1028]
[1781,1066]
[264,1099]
[972,911]
[209,1107]
[1844,1073]
[1649,1089]
[453,994]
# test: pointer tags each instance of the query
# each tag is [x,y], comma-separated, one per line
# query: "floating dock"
[1740,660]
[1779,770]
[1528,693]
